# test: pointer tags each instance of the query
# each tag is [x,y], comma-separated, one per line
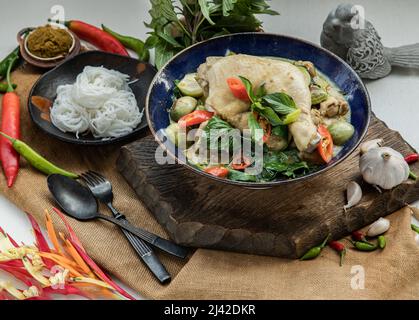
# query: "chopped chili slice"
[238,89]
[220,172]
[194,118]
[241,162]
[325,146]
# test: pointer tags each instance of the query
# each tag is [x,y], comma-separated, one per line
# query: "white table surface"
[395,99]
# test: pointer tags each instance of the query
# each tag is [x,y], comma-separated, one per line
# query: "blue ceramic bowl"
[159,98]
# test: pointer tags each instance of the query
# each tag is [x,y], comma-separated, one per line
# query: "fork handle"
[149,237]
[143,250]
[148,257]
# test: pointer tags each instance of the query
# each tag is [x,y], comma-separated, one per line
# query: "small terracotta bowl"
[45,63]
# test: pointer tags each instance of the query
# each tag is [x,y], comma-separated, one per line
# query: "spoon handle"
[149,237]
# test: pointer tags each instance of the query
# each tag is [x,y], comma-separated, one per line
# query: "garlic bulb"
[378,227]
[384,167]
[353,194]
[371,144]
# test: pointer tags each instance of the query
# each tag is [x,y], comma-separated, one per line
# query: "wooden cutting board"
[284,221]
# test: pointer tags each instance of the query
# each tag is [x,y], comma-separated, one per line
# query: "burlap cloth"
[389,274]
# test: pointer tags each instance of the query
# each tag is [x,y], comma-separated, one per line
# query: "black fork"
[101,188]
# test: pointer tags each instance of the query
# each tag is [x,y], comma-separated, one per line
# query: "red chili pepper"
[10,125]
[219,172]
[194,118]
[358,236]
[238,89]
[325,146]
[412,158]
[339,248]
[240,163]
[99,38]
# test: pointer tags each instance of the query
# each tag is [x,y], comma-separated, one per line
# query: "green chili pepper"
[382,242]
[131,43]
[315,251]
[4,87]
[364,246]
[36,160]
[415,228]
[4,65]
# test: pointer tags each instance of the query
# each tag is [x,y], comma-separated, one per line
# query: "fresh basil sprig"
[278,108]
[176,25]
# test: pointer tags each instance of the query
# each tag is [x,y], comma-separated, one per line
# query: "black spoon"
[78,202]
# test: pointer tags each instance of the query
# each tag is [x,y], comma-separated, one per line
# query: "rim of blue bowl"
[258,185]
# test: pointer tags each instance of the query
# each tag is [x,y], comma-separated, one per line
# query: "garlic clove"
[353,195]
[417,238]
[378,227]
[371,144]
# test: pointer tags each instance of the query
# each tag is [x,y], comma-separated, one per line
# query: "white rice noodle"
[100,102]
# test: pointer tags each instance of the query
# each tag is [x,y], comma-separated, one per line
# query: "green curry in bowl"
[293,118]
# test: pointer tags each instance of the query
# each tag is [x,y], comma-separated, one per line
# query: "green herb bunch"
[179,24]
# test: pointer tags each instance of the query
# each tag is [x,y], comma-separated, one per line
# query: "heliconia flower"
[12,241]
[66,290]
[51,232]
[100,273]
[65,270]
[5,243]
[16,293]
[70,230]
[35,273]
[40,240]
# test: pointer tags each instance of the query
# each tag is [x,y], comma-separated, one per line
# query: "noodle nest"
[100,102]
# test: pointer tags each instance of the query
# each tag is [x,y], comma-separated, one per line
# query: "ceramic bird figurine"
[362,47]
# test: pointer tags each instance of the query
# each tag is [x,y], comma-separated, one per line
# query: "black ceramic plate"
[67,73]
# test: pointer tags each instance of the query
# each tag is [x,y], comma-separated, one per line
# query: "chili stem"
[12,140]
[413,176]
[9,70]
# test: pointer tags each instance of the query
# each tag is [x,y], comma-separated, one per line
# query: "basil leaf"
[241,176]
[269,114]
[268,175]
[249,88]
[214,131]
[276,166]
[285,163]
[253,125]
[205,9]
[280,131]
[169,39]
[217,123]
[261,91]
[228,5]
[293,169]
[163,53]
[151,42]
[280,102]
